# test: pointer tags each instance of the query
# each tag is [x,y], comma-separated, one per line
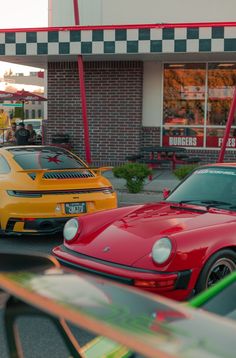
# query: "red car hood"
[129,239]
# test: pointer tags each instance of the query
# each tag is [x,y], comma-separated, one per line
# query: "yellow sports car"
[42,186]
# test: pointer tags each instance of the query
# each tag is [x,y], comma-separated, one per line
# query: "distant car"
[177,247]
[41,187]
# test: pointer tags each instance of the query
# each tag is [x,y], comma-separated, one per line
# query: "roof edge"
[128,26]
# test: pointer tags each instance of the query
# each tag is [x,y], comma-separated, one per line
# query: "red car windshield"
[45,158]
[208,186]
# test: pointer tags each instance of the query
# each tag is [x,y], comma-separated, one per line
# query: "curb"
[125,198]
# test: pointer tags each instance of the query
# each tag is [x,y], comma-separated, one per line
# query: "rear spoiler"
[40,172]
[100,169]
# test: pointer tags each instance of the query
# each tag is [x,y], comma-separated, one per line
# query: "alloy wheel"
[219,270]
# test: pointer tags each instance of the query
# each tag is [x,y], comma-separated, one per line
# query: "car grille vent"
[64,175]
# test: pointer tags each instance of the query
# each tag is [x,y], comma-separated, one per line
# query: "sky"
[22,14]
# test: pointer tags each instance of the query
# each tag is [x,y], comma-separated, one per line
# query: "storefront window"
[221,83]
[196,103]
[184,103]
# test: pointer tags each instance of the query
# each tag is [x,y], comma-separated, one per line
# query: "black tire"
[217,267]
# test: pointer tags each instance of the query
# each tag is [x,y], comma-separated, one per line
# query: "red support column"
[82,92]
[84,109]
[227,128]
[76,12]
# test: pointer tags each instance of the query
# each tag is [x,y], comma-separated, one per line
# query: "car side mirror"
[165,193]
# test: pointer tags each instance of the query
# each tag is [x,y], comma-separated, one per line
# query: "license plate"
[75,208]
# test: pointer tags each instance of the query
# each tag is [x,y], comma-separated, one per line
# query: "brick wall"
[150,136]
[211,155]
[114,107]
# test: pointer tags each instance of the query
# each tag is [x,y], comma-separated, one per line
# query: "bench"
[178,158]
[134,157]
[151,163]
[140,159]
[181,155]
[187,160]
[155,163]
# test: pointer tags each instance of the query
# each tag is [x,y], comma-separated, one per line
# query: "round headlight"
[70,229]
[161,250]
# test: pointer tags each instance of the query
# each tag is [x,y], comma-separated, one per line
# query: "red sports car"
[177,247]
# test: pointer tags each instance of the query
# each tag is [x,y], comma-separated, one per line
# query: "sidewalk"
[151,192]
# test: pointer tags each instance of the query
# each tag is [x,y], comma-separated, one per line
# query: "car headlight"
[70,229]
[161,250]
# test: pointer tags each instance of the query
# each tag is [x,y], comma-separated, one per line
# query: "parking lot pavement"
[151,192]
[125,198]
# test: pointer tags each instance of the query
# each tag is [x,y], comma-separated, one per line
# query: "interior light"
[226,64]
[177,65]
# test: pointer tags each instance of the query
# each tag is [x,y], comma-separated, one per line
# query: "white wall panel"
[91,12]
[61,13]
[96,12]
[152,94]
[158,11]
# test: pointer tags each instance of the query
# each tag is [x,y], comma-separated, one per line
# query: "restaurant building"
[151,76]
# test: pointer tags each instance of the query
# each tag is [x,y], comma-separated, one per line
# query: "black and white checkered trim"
[119,41]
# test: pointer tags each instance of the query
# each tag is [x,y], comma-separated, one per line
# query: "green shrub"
[183,171]
[134,174]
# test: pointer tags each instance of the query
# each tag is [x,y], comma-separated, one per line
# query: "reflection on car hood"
[141,228]
[155,327]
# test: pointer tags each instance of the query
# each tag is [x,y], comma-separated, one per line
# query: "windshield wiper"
[178,204]
[208,203]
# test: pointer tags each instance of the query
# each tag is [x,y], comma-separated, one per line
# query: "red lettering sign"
[216,142]
[182,141]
